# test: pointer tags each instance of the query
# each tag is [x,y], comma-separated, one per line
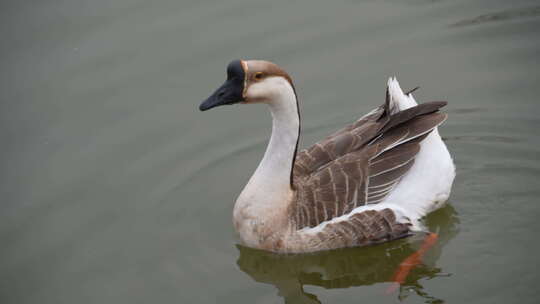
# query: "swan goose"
[367,183]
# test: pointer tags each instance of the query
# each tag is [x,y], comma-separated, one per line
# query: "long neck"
[272,179]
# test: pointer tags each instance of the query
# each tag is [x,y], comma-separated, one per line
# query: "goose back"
[359,164]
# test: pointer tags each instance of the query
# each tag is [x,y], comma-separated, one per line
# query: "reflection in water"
[350,267]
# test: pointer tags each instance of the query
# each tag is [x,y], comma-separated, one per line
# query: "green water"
[114,188]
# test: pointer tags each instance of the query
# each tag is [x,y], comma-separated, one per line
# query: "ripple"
[484,138]
[500,16]
[466,110]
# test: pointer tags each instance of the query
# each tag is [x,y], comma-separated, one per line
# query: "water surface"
[115,189]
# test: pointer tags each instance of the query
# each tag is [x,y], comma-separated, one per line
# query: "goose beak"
[228,93]
[231,91]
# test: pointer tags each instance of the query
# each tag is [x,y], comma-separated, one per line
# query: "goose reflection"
[350,267]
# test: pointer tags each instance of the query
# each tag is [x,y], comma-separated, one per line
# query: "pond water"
[116,189]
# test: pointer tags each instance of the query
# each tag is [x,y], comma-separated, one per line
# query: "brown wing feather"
[386,170]
[333,190]
[364,228]
[345,140]
[410,113]
[359,164]
[356,135]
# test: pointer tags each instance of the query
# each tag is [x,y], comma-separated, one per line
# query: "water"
[115,189]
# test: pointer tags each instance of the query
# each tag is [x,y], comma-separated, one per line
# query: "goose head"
[249,81]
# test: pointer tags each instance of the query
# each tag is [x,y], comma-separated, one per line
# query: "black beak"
[230,92]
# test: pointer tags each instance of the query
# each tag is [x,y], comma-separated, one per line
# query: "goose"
[370,182]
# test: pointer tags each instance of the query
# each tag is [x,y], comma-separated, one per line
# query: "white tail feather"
[398,100]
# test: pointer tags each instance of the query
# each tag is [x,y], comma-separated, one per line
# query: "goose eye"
[259,75]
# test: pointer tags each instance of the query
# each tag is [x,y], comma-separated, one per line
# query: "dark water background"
[115,189]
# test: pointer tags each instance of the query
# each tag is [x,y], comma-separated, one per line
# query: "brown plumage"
[364,228]
[359,165]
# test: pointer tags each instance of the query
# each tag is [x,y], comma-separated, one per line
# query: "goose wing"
[361,163]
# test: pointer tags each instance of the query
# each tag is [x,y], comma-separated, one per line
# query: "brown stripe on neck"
[291,178]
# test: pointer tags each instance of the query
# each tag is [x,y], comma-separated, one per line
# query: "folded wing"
[361,163]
